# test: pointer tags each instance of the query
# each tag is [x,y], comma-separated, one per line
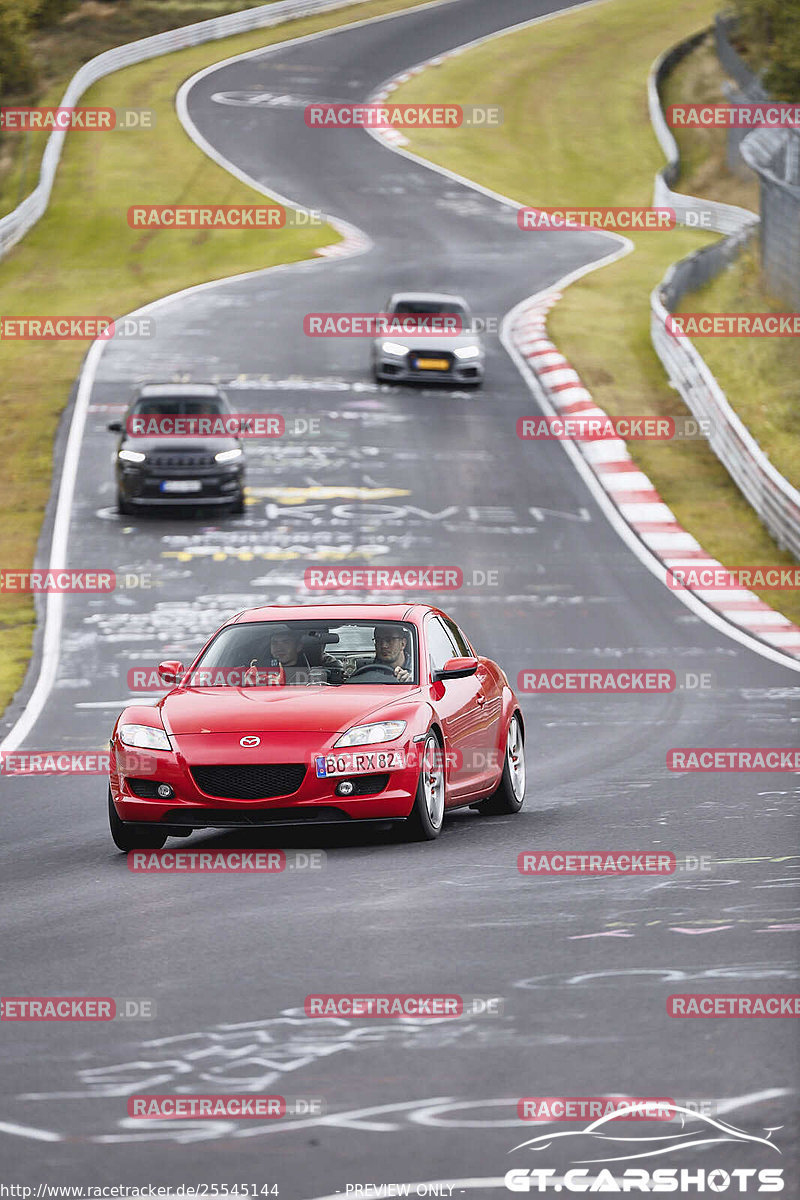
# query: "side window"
[462,645]
[440,645]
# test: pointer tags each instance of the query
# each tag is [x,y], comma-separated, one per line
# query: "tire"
[510,793]
[123,507]
[237,508]
[427,815]
[132,837]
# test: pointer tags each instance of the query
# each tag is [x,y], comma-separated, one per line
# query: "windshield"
[186,406]
[428,306]
[299,653]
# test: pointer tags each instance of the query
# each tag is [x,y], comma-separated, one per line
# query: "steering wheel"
[377,666]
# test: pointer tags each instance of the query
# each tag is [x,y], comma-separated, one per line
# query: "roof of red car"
[324,612]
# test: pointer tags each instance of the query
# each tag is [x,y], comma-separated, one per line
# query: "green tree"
[17,69]
[770,33]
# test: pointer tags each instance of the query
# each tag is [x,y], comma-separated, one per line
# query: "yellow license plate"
[432,364]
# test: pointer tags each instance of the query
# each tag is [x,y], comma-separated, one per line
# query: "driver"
[285,651]
[393,649]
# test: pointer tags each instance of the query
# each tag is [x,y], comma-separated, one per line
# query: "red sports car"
[322,714]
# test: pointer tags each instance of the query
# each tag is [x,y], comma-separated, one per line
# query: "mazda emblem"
[250,741]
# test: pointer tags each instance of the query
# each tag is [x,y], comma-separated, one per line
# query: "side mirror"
[457,668]
[171,671]
[114,427]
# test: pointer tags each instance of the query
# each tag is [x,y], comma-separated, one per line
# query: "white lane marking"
[28,1131]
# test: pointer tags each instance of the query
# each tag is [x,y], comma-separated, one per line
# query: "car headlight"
[131,456]
[367,735]
[145,736]
[393,348]
[228,455]
[468,352]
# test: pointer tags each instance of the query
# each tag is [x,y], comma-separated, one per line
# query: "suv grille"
[256,781]
[200,458]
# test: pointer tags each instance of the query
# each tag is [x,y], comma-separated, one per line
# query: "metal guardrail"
[16,224]
[773,498]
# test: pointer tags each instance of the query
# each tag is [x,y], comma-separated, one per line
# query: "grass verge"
[82,258]
[576,132]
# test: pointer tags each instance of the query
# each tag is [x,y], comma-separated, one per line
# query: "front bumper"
[390,369]
[216,487]
[313,801]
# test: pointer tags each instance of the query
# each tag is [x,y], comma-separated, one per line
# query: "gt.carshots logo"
[596,862]
[626,219]
[595,428]
[682,1181]
[397,1006]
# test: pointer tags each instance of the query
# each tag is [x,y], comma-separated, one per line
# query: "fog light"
[165,791]
[345,788]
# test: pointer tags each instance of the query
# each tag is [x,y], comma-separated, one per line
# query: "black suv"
[159,469]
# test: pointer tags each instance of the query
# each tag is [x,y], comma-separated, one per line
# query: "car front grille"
[255,781]
[163,460]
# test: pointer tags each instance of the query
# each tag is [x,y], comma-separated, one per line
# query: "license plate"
[360,762]
[432,364]
[181,485]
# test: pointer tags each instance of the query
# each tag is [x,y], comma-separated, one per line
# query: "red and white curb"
[633,494]
[353,242]
[387,133]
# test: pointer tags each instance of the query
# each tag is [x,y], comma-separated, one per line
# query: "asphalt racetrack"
[409,476]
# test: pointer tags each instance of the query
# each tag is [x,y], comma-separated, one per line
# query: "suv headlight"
[393,348]
[134,456]
[226,456]
[468,352]
[367,735]
[145,736]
